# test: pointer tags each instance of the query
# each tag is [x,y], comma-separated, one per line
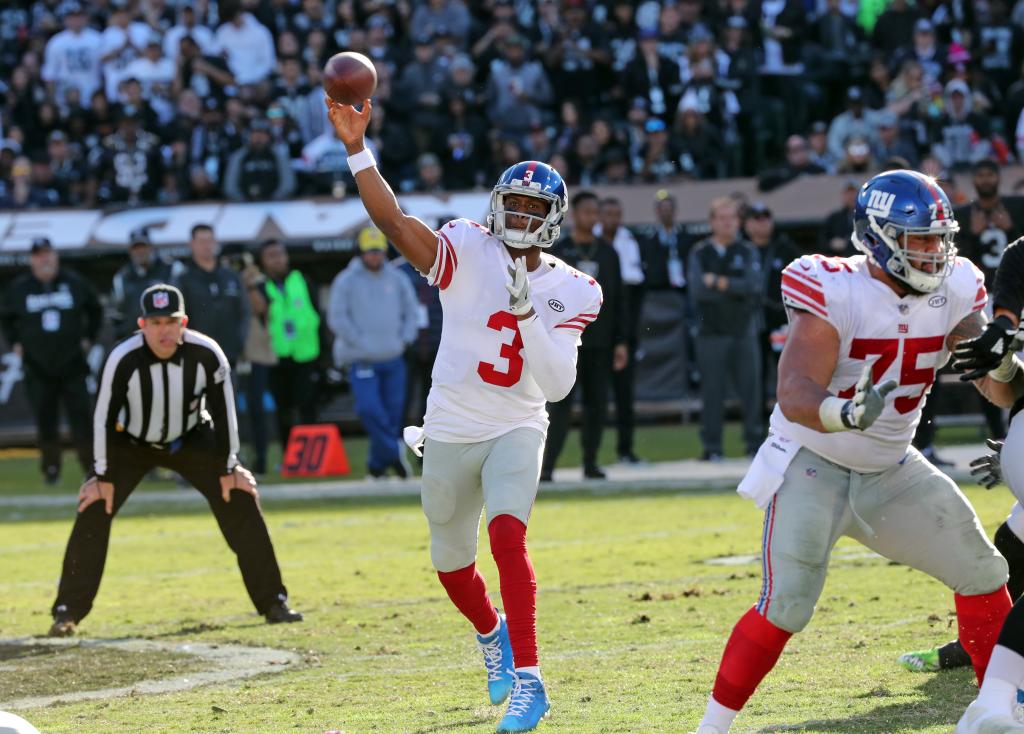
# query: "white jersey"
[903,338]
[73,60]
[482,386]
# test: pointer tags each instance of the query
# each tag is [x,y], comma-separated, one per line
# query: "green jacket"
[292,319]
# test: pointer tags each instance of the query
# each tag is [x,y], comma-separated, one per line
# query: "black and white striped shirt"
[157,401]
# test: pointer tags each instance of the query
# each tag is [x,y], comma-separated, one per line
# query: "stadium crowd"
[115,102]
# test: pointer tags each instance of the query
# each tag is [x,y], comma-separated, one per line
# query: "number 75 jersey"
[903,339]
[482,386]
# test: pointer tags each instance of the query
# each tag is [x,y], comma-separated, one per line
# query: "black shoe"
[400,469]
[280,613]
[545,476]
[713,456]
[593,472]
[51,476]
[376,473]
[64,625]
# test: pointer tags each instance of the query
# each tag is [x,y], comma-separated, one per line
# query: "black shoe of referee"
[281,613]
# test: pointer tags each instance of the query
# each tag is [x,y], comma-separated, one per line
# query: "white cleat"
[978,720]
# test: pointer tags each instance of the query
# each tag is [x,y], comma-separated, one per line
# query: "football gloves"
[977,357]
[519,289]
[867,402]
[988,469]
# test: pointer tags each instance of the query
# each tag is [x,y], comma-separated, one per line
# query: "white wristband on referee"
[831,414]
[361,161]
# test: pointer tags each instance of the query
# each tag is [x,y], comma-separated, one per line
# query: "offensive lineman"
[838,459]
[513,317]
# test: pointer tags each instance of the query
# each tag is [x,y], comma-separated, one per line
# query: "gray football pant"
[718,358]
[459,479]
[912,514]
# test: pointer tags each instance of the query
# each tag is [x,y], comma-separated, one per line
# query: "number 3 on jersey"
[910,374]
[510,351]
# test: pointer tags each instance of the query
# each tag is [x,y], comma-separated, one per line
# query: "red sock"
[752,650]
[979,620]
[467,590]
[518,586]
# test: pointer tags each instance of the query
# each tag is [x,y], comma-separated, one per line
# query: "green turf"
[632,621]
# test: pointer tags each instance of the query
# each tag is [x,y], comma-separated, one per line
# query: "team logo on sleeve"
[556,305]
[879,203]
[937,301]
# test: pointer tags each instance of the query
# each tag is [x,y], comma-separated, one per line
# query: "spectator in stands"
[461,142]
[289,310]
[604,348]
[450,15]
[67,168]
[856,122]
[51,316]
[284,132]
[188,26]
[325,164]
[219,305]
[259,171]
[726,283]
[578,56]
[698,142]
[421,87]
[611,229]
[120,44]
[926,51]
[999,46]
[126,168]
[661,161]
[22,192]
[889,143]
[373,315]
[775,251]
[154,71]
[248,45]
[429,178]
[518,90]
[858,159]
[652,77]
[206,74]
[144,268]
[894,28]
[834,236]
[304,104]
[798,163]
[129,94]
[72,57]
[817,141]
[960,136]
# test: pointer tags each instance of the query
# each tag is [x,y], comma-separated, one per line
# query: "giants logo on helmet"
[160,299]
[880,203]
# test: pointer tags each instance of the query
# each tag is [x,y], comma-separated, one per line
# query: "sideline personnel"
[160,389]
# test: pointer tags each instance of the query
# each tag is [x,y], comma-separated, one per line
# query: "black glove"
[988,469]
[977,357]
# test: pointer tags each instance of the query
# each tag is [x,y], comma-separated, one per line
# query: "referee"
[165,399]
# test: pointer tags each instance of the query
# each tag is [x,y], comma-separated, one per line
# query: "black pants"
[293,385]
[593,371]
[623,388]
[417,385]
[46,393]
[240,521]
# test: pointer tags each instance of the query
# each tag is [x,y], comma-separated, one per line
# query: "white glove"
[859,412]
[519,289]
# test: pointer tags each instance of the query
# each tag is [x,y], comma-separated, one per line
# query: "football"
[349,78]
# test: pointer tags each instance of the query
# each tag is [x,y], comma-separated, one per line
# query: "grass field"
[632,621]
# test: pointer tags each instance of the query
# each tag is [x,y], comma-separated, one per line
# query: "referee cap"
[162,300]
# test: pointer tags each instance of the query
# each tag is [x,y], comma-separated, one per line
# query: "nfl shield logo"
[160,299]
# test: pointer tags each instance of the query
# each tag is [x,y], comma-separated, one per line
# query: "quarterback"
[513,317]
[867,334]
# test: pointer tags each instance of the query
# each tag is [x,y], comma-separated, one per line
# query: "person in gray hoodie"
[373,314]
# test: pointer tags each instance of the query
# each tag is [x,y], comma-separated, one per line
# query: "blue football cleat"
[527,706]
[497,650]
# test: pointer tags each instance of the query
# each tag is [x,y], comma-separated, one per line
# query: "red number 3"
[910,373]
[511,351]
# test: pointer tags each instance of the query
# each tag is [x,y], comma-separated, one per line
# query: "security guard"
[143,269]
[165,399]
[50,317]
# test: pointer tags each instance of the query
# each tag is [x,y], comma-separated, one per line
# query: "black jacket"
[50,320]
[216,304]
[611,326]
[734,311]
[126,293]
[775,256]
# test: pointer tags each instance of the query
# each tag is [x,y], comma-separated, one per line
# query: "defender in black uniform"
[165,399]
[51,316]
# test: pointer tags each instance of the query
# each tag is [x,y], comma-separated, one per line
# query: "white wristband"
[1006,370]
[831,414]
[361,161]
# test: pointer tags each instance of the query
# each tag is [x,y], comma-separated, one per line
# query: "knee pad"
[447,556]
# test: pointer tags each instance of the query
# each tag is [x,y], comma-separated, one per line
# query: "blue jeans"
[379,390]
